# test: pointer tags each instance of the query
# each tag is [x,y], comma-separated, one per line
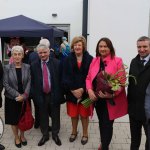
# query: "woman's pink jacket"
[112,66]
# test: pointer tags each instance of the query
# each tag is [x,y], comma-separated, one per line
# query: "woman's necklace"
[79,58]
[18,65]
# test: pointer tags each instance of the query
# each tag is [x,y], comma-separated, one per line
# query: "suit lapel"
[147,64]
[52,72]
[142,69]
[23,71]
[39,70]
[50,67]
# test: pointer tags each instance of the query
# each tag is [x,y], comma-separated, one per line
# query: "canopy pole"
[0,50]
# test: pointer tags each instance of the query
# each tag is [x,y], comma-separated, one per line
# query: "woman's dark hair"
[109,44]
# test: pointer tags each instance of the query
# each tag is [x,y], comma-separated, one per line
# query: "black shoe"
[49,128]
[36,124]
[2,147]
[18,145]
[24,143]
[57,140]
[73,137]
[84,140]
[43,140]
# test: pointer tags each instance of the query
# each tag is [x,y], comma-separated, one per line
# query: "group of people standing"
[52,83]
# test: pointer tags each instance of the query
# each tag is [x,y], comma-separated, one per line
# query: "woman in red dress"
[75,69]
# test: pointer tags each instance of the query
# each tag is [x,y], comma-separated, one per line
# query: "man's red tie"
[46,86]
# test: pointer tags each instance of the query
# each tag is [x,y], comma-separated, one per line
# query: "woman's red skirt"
[74,110]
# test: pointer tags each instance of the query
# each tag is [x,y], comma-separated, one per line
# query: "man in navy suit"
[45,82]
[140,69]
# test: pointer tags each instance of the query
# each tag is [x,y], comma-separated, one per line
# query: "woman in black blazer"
[75,69]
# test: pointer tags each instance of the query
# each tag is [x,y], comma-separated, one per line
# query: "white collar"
[45,61]
[146,58]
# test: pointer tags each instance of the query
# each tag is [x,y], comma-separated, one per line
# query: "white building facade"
[121,21]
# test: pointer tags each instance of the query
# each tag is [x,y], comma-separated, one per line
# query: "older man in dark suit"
[45,82]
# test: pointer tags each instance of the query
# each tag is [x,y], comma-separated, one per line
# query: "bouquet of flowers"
[109,83]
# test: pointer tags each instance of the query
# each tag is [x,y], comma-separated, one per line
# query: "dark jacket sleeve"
[66,75]
[1,82]
[63,99]
[32,82]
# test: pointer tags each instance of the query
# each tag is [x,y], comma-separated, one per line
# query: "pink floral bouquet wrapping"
[103,85]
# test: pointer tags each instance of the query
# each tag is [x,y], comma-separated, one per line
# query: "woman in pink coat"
[108,105]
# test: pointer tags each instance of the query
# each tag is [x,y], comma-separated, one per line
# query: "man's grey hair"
[17,49]
[144,38]
[41,46]
[45,42]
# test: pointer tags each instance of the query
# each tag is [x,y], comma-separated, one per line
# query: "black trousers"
[136,133]
[48,109]
[148,130]
[105,125]
[36,112]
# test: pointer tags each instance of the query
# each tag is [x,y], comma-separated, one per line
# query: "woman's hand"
[78,93]
[92,95]
[105,95]
[19,98]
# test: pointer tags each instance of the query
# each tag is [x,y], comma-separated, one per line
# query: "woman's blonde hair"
[79,39]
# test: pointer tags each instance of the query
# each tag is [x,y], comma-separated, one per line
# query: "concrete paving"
[120,141]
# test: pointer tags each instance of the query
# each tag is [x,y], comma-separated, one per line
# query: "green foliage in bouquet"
[87,102]
[116,82]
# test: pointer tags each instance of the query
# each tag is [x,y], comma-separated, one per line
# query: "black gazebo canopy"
[21,26]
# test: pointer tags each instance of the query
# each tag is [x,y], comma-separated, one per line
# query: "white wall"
[68,11]
[123,21]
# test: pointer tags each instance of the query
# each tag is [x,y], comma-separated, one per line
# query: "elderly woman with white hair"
[16,81]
